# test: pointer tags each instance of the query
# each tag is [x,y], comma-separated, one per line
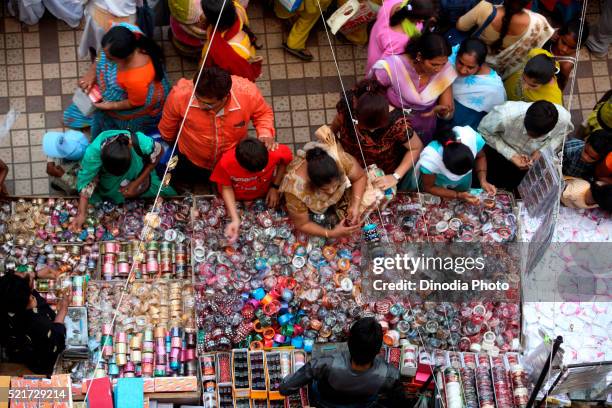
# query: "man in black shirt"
[32,333]
[352,379]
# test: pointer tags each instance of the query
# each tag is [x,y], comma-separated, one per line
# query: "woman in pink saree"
[419,82]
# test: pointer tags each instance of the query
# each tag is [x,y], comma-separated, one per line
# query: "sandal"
[301,54]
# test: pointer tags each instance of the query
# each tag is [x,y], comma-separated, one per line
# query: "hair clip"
[449,142]
[409,7]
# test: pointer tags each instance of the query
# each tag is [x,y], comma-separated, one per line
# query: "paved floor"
[39,69]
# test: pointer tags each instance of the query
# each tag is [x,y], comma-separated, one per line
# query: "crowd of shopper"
[443,98]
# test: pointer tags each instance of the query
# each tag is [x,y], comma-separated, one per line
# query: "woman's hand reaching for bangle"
[343,229]
[385,182]
[77,223]
[489,188]
[469,198]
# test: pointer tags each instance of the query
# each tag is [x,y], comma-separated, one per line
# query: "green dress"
[95,182]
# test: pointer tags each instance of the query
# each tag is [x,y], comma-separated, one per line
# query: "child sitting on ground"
[247,173]
[580,158]
[68,149]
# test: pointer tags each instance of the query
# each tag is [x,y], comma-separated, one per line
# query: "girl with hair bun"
[446,165]
[382,132]
[118,165]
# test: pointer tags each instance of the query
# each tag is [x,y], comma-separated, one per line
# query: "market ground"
[39,68]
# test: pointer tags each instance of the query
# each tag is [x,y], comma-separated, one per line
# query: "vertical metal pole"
[544,372]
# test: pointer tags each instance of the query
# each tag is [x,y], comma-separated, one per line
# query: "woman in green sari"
[117,166]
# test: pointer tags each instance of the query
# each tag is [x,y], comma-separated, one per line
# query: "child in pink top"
[398,21]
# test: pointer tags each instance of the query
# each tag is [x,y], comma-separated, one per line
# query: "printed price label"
[34,395]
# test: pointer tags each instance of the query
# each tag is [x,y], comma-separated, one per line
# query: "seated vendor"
[319,177]
[445,166]
[248,172]
[33,334]
[115,168]
[349,379]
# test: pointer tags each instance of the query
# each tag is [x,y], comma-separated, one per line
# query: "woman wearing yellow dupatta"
[536,81]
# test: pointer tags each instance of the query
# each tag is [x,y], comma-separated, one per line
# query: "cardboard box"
[100,393]
[20,384]
[149,385]
[129,393]
[242,392]
[258,392]
[176,384]
[5,383]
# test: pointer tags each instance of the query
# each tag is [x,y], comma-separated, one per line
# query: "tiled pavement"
[39,69]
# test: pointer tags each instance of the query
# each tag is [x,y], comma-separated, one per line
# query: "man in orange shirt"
[218,118]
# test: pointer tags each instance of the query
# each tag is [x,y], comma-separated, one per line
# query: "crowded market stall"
[202,318]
